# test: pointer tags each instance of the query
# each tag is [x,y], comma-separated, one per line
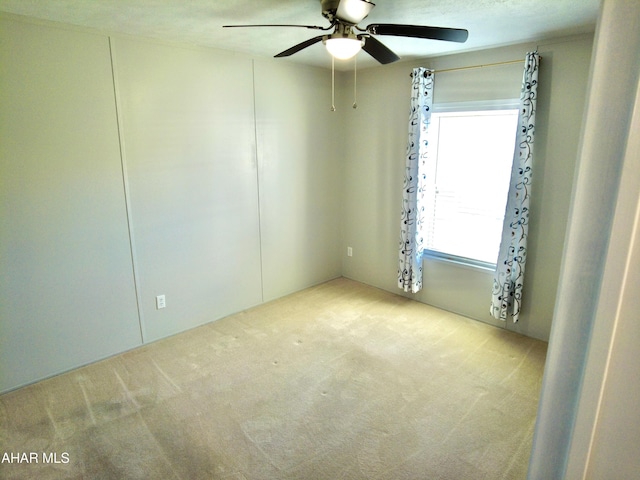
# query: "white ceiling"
[489,22]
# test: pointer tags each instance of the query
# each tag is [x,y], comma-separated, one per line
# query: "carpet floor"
[339,381]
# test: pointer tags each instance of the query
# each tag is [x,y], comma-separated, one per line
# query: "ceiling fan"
[347,38]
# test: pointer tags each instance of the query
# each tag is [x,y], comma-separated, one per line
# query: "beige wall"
[377,136]
[186,118]
[300,177]
[67,293]
[189,172]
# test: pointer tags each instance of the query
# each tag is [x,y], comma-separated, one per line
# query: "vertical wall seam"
[126,190]
[257,163]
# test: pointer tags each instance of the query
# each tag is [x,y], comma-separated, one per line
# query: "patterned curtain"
[412,222]
[508,278]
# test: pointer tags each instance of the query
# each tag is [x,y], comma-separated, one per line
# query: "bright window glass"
[470,153]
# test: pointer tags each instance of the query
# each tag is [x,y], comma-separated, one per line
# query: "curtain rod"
[508,62]
[496,64]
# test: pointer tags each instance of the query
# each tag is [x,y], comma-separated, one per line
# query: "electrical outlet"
[160,302]
[349,252]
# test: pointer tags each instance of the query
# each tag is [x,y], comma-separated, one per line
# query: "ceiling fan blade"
[313,27]
[377,50]
[432,33]
[298,47]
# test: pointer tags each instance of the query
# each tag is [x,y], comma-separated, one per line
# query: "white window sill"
[459,261]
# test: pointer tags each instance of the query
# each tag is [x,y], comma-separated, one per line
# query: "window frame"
[469,106]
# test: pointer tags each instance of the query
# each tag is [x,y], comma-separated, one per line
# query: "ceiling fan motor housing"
[350,12]
[342,31]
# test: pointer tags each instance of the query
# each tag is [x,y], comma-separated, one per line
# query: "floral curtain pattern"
[508,280]
[412,222]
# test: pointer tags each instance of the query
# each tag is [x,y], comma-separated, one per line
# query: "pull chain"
[355,78]
[333,86]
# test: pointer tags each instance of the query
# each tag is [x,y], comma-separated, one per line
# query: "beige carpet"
[340,381]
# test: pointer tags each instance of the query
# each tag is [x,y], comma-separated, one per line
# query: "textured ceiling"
[490,22]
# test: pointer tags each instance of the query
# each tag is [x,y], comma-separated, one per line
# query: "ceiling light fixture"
[343,47]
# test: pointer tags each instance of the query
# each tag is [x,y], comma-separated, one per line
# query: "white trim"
[615,293]
[457,260]
[480,105]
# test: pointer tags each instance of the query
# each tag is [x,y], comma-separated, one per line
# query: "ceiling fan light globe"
[343,48]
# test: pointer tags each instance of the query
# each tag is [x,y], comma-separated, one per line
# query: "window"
[470,153]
